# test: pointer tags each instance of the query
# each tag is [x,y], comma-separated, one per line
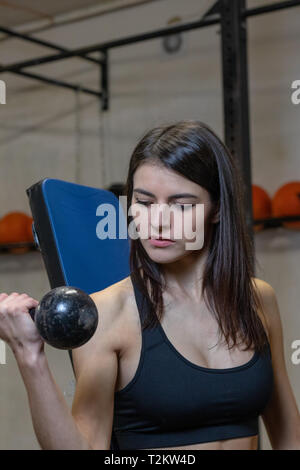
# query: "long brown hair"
[193,150]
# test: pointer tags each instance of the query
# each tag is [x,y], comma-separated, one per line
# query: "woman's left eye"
[182,206]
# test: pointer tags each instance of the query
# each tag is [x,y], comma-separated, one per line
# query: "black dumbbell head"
[66,317]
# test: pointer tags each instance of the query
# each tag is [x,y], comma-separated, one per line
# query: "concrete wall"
[50,132]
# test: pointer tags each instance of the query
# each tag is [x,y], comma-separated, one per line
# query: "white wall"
[39,138]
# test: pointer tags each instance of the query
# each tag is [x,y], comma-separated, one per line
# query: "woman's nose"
[160,217]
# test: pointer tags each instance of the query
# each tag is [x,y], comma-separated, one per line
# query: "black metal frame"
[235,92]
[231,15]
[215,15]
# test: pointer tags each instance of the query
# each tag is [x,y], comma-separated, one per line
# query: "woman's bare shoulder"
[113,298]
[265,292]
[110,335]
[114,309]
[261,284]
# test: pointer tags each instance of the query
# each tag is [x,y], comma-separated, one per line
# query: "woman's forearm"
[52,420]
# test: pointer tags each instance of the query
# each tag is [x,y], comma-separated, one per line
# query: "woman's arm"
[281,417]
[96,370]
[56,426]
[89,425]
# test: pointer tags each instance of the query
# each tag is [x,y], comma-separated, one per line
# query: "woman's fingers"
[15,302]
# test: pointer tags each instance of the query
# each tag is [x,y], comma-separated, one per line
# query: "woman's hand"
[17,328]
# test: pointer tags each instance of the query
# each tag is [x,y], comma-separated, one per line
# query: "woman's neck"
[184,277]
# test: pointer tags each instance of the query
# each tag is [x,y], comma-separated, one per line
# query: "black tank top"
[172,402]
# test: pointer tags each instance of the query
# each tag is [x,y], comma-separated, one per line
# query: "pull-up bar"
[41,42]
[110,44]
[212,17]
[270,8]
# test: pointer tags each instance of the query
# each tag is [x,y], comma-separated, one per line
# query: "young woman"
[189,350]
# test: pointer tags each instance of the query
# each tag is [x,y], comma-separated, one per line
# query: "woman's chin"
[164,256]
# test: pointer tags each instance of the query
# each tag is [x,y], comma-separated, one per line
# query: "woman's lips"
[160,242]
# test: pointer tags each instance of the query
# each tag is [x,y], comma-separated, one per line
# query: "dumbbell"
[66,317]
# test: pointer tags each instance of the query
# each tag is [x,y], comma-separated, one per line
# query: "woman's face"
[156,190]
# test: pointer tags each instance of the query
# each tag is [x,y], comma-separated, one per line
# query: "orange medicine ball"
[286,202]
[14,228]
[261,205]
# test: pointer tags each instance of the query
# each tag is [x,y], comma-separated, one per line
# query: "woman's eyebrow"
[173,196]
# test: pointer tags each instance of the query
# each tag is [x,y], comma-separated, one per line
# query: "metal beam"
[105,82]
[111,44]
[60,83]
[270,8]
[41,42]
[235,93]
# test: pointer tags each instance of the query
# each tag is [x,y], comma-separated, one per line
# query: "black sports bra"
[172,402]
